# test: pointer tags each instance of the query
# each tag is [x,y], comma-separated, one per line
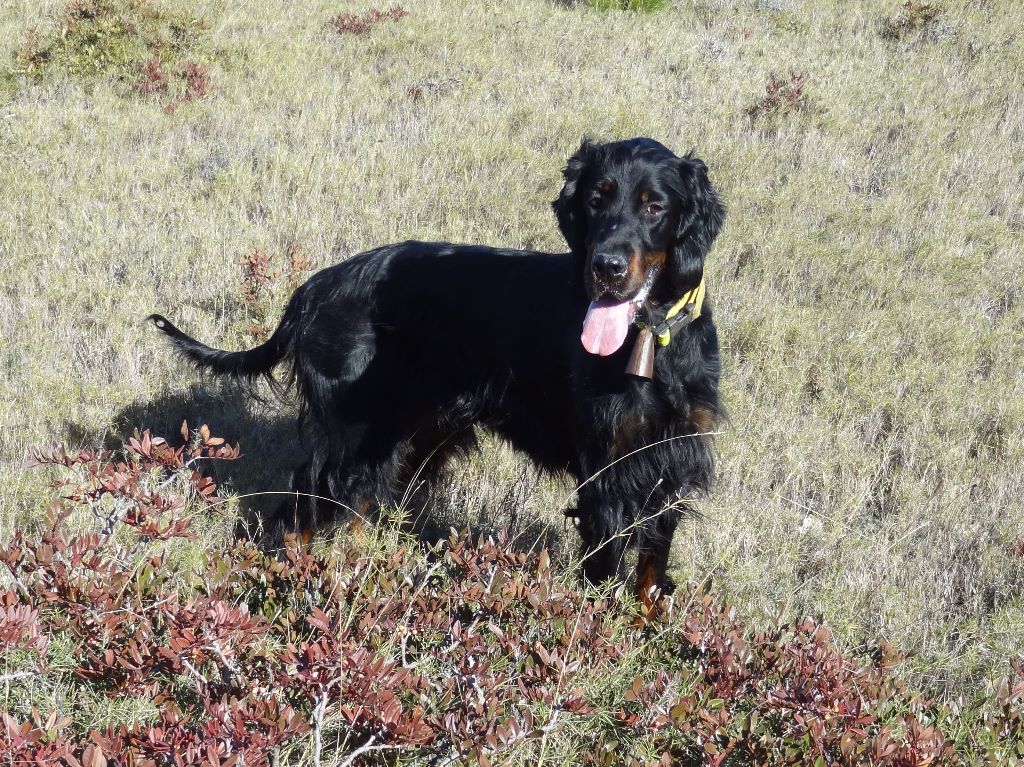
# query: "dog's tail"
[246,365]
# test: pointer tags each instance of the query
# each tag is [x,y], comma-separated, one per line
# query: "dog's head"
[639,221]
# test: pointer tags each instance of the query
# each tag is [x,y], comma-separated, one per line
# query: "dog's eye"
[594,202]
[654,209]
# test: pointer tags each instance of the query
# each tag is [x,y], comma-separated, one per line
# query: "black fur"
[397,352]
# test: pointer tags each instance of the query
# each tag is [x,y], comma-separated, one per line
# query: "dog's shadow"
[267,433]
[485,498]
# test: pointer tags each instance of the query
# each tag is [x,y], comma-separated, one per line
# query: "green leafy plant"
[914,16]
[147,49]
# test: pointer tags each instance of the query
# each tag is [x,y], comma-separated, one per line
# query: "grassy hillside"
[867,284]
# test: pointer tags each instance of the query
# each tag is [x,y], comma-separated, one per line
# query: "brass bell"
[641,361]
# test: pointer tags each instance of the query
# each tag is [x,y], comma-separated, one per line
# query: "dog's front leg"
[604,534]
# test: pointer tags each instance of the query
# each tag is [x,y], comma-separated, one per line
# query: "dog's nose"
[609,265]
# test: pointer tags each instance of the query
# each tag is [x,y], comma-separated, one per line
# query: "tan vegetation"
[867,285]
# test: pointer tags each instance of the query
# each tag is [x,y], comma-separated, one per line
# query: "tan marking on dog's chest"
[701,418]
[628,436]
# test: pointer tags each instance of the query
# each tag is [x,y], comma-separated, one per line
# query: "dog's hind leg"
[309,493]
[324,492]
[367,475]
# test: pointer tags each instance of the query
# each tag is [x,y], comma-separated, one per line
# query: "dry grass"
[867,285]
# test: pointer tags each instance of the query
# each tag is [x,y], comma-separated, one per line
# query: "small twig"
[550,726]
[228,665]
[903,537]
[17,675]
[450,759]
[401,645]
[368,746]
[318,722]
[195,672]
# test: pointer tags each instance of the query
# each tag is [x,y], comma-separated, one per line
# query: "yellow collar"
[692,301]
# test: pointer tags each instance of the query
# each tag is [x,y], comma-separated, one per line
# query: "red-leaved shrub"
[353,24]
[468,652]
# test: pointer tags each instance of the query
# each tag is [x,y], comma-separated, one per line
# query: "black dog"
[397,352]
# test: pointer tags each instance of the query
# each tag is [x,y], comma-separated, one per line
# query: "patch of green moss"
[8,83]
[147,48]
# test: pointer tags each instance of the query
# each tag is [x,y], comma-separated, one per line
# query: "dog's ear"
[699,224]
[567,207]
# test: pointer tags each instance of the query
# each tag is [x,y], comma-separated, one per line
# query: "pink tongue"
[605,327]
